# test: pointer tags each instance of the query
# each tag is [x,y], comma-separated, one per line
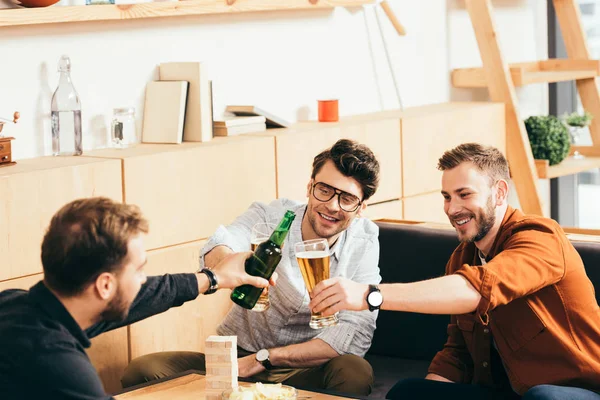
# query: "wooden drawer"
[5,151]
[426,207]
[33,190]
[297,147]
[186,191]
[181,328]
[428,131]
[388,210]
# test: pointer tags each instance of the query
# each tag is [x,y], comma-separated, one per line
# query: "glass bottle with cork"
[66,114]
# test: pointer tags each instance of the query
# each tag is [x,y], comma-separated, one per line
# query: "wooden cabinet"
[33,190]
[388,210]
[187,190]
[428,131]
[110,355]
[297,147]
[425,207]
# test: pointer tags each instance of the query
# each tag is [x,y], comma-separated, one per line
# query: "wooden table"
[191,386]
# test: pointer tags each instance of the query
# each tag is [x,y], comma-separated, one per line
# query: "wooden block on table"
[228,364]
[164,112]
[225,354]
[220,385]
[228,380]
[230,370]
[229,342]
[219,358]
[198,119]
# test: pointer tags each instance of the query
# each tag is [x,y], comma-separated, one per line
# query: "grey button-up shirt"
[355,255]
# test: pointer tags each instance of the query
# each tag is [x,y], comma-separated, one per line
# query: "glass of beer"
[261,232]
[313,259]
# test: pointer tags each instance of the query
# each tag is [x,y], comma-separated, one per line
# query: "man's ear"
[308,187]
[501,192]
[361,209]
[105,285]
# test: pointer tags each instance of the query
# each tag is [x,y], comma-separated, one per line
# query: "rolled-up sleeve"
[532,258]
[237,235]
[354,332]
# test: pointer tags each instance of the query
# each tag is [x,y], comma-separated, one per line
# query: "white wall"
[280,61]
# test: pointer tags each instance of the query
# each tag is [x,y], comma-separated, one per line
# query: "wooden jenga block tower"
[221,365]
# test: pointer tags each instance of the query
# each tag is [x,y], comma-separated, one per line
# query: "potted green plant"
[549,138]
[576,122]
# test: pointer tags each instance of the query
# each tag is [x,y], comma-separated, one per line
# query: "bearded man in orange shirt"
[525,320]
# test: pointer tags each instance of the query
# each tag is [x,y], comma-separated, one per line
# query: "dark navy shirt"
[42,348]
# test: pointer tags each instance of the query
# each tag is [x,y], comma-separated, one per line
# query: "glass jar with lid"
[123,129]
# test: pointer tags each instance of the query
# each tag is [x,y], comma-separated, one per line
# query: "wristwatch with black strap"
[213,284]
[374,298]
[262,356]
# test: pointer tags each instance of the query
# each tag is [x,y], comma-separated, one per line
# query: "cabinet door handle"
[1,147]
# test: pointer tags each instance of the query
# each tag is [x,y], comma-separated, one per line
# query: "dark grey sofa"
[405,343]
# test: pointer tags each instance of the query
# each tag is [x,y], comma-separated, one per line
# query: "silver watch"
[262,356]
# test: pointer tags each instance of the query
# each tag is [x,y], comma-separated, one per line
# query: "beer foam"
[312,254]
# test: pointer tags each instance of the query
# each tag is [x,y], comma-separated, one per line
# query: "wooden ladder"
[501,78]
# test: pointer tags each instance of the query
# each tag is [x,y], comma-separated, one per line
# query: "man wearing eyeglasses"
[277,345]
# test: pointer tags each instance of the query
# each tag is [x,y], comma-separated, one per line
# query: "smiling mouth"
[462,221]
[328,218]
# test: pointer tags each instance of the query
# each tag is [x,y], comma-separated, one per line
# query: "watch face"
[375,299]
[262,355]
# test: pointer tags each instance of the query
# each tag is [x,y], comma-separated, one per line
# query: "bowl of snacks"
[261,391]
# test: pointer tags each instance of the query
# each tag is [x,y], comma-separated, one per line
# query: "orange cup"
[328,111]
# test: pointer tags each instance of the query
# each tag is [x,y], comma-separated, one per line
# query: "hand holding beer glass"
[313,259]
[260,233]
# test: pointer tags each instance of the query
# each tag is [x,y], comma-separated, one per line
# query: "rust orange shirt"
[537,304]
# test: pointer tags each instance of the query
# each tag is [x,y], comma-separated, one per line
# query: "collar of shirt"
[295,235]
[40,295]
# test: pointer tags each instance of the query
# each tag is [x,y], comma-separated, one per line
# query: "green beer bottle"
[263,262]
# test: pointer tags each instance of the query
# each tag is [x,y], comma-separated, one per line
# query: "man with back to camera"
[93,258]
[525,320]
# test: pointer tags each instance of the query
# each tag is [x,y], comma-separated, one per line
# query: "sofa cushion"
[590,254]
[410,253]
[405,343]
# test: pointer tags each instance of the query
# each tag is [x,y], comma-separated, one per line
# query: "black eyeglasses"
[347,201]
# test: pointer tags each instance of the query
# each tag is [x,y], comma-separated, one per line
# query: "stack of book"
[230,126]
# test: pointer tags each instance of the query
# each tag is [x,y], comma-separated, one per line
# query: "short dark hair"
[354,160]
[86,238]
[487,159]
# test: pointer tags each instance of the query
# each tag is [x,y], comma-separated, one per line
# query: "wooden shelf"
[57,14]
[568,166]
[555,70]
